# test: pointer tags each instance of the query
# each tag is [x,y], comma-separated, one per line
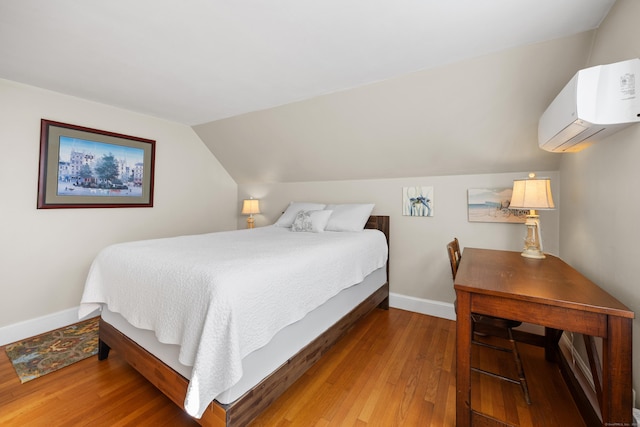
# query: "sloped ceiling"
[474,116]
[214,63]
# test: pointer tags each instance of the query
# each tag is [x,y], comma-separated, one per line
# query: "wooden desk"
[550,293]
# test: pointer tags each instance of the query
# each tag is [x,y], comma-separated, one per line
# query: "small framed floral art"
[417,201]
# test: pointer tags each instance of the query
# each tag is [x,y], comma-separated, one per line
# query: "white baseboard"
[582,367]
[418,305]
[30,328]
[40,325]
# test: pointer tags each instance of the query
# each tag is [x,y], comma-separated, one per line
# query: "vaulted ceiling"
[255,78]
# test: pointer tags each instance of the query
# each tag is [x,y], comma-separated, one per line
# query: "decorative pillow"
[349,217]
[289,215]
[313,221]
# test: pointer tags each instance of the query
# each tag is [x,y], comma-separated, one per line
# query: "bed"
[266,369]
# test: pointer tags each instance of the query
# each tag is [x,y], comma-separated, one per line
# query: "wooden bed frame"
[256,400]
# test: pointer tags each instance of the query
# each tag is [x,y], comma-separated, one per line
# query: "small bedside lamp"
[533,193]
[250,207]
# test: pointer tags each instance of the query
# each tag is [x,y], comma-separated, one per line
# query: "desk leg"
[552,338]
[463,359]
[616,373]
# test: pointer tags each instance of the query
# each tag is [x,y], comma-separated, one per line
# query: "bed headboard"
[379,222]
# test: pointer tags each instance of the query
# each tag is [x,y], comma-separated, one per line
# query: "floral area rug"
[46,353]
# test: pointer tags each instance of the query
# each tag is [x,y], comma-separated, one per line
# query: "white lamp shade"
[532,193]
[250,207]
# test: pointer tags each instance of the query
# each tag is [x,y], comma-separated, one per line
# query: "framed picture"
[417,201]
[492,205]
[89,168]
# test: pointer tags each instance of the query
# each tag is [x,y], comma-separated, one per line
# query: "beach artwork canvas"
[417,201]
[492,205]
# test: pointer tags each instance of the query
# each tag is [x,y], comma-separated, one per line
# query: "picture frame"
[492,205]
[417,201]
[81,167]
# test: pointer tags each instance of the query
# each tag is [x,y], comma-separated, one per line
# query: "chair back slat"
[453,249]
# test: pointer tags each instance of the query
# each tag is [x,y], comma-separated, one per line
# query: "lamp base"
[532,242]
[533,253]
[250,221]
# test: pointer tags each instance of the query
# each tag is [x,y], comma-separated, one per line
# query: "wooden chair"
[453,248]
[498,327]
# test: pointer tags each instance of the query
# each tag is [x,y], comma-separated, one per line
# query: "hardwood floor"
[395,368]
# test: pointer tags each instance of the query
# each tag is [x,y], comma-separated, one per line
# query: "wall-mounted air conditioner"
[597,102]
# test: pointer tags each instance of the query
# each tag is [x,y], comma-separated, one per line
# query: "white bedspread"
[221,296]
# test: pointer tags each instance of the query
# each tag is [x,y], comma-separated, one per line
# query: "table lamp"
[533,194]
[250,207]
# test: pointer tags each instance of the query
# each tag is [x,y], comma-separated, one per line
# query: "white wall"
[419,266]
[469,117]
[599,221]
[45,254]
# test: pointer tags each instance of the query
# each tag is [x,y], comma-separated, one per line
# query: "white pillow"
[289,215]
[313,221]
[349,217]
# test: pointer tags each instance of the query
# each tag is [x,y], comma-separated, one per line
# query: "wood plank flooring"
[395,368]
